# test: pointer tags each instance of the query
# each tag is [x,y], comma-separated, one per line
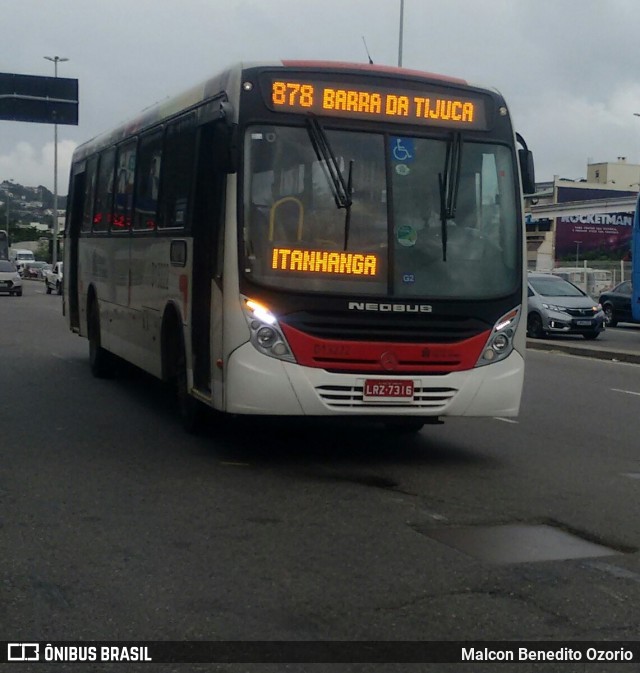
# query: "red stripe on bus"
[362,356]
[184,290]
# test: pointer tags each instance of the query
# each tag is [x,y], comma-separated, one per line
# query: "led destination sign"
[324,261]
[402,105]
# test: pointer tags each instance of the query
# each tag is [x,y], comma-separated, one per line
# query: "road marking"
[505,420]
[68,360]
[626,392]
[614,570]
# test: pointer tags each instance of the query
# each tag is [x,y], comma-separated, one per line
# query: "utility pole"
[400,33]
[56,60]
[6,208]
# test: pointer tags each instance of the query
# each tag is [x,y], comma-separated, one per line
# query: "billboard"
[46,100]
[606,235]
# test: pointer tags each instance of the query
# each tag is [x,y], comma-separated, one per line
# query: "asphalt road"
[118,526]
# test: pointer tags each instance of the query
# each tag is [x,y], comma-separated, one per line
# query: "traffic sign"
[46,100]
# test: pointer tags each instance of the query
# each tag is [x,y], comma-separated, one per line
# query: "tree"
[18,234]
[42,251]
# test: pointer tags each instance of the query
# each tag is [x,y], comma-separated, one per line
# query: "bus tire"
[100,360]
[189,409]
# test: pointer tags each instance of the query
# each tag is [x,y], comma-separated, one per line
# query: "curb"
[585,351]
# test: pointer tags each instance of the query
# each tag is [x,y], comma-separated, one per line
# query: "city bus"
[305,238]
[635,264]
[4,244]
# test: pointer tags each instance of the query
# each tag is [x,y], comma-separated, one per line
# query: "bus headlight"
[266,335]
[500,343]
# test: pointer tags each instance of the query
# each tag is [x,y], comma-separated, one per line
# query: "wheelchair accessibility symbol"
[402,149]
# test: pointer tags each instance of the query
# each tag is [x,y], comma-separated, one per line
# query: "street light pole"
[400,33]
[6,208]
[55,60]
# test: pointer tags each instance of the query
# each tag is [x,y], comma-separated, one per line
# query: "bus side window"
[179,158]
[148,181]
[104,191]
[123,202]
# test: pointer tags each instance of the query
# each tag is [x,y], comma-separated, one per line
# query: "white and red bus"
[312,239]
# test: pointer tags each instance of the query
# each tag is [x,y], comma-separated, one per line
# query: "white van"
[593,281]
[20,256]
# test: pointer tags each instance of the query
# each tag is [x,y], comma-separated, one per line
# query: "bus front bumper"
[256,384]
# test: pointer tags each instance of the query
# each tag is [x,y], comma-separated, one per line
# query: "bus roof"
[372,68]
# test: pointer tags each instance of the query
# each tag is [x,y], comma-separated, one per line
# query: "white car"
[53,279]
[10,280]
[556,306]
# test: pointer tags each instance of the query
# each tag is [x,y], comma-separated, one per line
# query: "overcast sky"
[569,69]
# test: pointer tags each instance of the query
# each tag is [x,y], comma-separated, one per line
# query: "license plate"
[583,323]
[4,283]
[380,390]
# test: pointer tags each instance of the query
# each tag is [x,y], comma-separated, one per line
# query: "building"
[581,234]
[619,173]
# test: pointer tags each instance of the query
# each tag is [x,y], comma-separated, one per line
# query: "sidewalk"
[600,349]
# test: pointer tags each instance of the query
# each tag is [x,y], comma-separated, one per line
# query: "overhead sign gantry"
[44,100]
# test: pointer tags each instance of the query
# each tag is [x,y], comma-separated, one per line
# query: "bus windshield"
[403,238]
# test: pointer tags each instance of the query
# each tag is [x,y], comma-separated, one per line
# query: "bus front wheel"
[100,360]
[189,408]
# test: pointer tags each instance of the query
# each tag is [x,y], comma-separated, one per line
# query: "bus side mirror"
[527,169]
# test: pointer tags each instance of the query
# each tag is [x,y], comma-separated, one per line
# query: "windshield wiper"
[449,184]
[340,189]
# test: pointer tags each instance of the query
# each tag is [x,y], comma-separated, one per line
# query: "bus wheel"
[100,360]
[189,408]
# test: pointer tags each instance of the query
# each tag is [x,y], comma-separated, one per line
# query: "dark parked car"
[616,304]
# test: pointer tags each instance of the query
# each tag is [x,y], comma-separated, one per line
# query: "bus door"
[79,219]
[206,305]
[70,301]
